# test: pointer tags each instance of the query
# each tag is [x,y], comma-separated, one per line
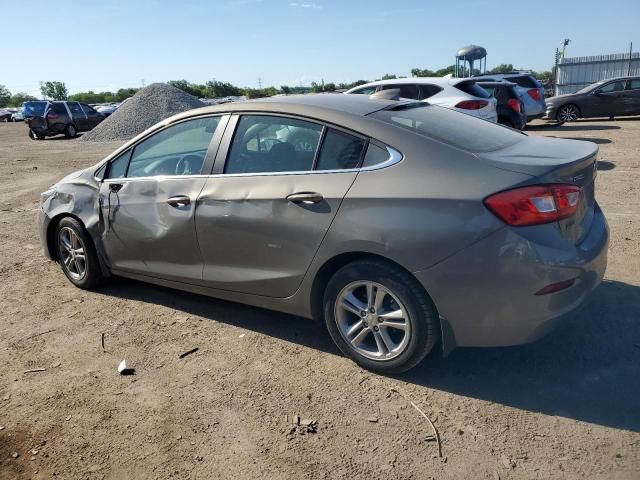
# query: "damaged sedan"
[398,225]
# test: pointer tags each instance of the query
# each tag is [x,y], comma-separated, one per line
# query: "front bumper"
[43,227]
[486,292]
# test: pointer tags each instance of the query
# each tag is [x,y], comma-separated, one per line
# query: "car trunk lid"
[555,160]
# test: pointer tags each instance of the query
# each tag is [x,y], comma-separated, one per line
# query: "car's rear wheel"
[379,316]
[70,131]
[77,254]
[567,113]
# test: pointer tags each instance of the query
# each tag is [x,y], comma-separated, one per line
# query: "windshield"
[34,109]
[451,127]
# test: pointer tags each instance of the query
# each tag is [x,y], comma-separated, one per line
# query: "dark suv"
[46,118]
[530,90]
[510,108]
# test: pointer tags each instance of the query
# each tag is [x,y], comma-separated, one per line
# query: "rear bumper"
[487,291]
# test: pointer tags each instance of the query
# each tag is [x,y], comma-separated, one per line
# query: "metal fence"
[576,73]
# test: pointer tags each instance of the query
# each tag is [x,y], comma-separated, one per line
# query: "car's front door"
[93,117]
[277,185]
[606,101]
[78,116]
[148,200]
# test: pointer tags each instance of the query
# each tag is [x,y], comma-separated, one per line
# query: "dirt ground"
[565,407]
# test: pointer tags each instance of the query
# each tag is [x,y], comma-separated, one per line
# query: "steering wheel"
[186,164]
[268,143]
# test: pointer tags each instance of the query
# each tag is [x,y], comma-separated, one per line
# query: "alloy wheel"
[568,113]
[72,253]
[372,320]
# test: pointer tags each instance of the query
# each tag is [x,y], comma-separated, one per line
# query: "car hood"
[562,98]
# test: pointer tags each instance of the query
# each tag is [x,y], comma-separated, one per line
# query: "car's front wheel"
[567,113]
[379,315]
[76,254]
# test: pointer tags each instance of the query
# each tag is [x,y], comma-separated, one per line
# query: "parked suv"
[510,107]
[530,90]
[459,94]
[46,118]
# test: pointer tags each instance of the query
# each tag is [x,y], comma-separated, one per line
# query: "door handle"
[307,198]
[179,201]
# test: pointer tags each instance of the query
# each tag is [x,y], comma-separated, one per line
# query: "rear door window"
[634,84]
[450,127]
[268,144]
[428,90]
[59,108]
[473,89]
[406,90]
[340,151]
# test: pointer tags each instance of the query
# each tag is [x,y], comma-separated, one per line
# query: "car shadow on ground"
[286,327]
[604,165]
[588,370]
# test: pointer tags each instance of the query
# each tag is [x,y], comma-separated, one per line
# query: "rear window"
[525,81]
[34,109]
[451,127]
[472,88]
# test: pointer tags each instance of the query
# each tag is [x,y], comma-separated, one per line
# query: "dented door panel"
[255,240]
[144,232]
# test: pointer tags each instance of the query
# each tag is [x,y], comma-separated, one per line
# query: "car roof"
[515,72]
[502,83]
[313,105]
[412,80]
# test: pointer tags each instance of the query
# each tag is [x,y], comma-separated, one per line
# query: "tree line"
[55,90]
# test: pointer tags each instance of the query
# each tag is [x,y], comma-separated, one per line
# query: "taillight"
[534,93]
[472,104]
[534,205]
[514,104]
[52,115]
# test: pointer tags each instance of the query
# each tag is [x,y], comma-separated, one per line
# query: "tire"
[368,332]
[567,113]
[70,131]
[71,263]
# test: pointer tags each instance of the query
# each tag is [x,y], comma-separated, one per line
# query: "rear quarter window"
[450,127]
[472,88]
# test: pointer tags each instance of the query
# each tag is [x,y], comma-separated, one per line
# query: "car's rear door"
[632,97]
[148,200]
[277,184]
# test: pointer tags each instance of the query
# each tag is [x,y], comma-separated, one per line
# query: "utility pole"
[260,83]
[142,82]
[630,53]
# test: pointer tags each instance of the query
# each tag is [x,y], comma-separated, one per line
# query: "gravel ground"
[146,108]
[565,407]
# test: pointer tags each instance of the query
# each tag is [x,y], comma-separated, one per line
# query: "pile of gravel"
[146,108]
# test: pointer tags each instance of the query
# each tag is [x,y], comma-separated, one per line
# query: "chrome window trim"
[395,157]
